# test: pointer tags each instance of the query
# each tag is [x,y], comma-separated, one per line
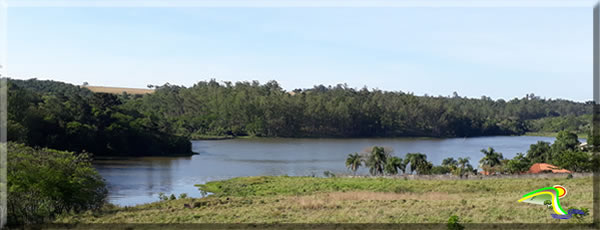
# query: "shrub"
[43,183]
[438,170]
[162,196]
[580,217]
[454,224]
[183,196]
[328,174]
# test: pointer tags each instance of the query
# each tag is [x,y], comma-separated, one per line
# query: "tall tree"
[565,141]
[418,162]
[539,152]
[353,162]
[463,166]
[491,160]
[376,160]
[394,165]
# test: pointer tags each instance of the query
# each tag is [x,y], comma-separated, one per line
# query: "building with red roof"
[543,167]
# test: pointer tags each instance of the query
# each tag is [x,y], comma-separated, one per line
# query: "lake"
[139,180]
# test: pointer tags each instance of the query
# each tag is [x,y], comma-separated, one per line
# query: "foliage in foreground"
[353,200]
[44,182]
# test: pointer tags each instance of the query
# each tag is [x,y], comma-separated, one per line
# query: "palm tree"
[491,159]
[425,168]
[353,162]
[463,166]
[376,160]
[417,161]
[449,162]
[394,165]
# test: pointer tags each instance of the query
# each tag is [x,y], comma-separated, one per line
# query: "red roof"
[541,167]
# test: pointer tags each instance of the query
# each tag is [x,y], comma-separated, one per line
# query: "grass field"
[118,90]
[353,200]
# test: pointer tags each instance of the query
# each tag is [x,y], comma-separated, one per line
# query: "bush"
[570,176]
[580,217]
[162,196]
[453,223]
[43,183]
[438,170]
[328,174]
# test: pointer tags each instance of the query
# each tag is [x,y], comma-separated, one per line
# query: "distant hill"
[117,90]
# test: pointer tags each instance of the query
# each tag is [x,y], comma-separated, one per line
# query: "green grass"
[552,134]
[352,200]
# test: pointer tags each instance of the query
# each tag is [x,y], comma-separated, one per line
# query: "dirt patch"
[118,90]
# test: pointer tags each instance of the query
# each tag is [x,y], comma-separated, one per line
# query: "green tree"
[574,160]
[463,166]
[491,160]
[518,164]
[418,162]
[539,152]
[450,162]
[376,160]
[43,183]
[565,141]
[353,162]
[439,169]
[394,165]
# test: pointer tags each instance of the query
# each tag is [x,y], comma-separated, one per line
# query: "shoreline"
[552,134]
[535,134]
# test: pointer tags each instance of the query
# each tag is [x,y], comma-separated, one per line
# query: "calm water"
[139,180]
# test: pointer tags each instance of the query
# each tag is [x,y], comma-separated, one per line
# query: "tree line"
[565,153]
[67,117]
[209,108]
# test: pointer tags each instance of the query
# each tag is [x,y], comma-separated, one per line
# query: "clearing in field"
[118,90]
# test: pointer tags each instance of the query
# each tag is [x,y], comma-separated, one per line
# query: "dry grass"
[118,90]
[334,199]
[367,195]
[474,201]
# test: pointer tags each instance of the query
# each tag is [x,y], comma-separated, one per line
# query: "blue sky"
[498,52]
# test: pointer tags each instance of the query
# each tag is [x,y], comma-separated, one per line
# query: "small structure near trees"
[543,167]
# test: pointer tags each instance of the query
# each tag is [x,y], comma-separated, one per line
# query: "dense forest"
[252,109]
[67,117]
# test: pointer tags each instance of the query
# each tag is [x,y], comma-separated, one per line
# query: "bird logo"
[550,196]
